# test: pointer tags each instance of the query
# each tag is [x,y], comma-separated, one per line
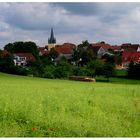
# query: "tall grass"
[29,107]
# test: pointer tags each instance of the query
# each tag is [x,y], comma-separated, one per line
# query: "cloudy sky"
[114,23]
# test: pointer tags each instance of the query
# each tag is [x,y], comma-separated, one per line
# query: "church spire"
[52,39]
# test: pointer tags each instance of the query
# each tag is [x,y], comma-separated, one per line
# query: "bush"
[134,71]
[17,70]
[35,68]
[79,71]
[49,72]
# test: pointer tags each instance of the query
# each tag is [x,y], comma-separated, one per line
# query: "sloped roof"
[130,47]
[69,45]
[104,46]
[67,56]
[66,48]
[96,48]
[29,56]
[116,47]
[127,56]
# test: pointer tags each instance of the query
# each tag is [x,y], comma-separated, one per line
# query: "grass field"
[35,107]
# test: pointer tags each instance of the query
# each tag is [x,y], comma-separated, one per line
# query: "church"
[51,41]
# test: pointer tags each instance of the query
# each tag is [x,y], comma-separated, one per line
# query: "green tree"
[83,54]
[62,69]
[53,54]
[134,70]
[94,67]
[5,62]
[20,46]
[108,70]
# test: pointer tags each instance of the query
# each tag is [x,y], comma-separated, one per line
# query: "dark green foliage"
[134,70]
[9,47]
[111,51]
[120,73]
[36,68]
[5,63]
[46,60]
[62,70]
[83,54]
[80,71]
[17,70]
[85,44]
[0,51]
[109,58]
[53,54]
[49,72]
[7,66]
[95,67]
[20,46]
[108,70]
[75,55]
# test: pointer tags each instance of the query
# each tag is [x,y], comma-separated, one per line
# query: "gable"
[138,50]
[101,51]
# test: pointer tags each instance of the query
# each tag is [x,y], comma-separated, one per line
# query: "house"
[43,51]
[65,50]
[101,49]
[21,59]
[128,56]
[117,48]
[130,47]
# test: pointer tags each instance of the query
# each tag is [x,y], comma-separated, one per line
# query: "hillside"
[35,107]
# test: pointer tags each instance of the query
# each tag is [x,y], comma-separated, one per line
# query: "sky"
[114,23]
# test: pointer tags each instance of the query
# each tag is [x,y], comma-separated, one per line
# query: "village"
[121,55]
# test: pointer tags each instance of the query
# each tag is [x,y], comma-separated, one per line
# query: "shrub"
[134,70]
[49,72]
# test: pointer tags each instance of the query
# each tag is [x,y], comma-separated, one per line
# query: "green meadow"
[36,107]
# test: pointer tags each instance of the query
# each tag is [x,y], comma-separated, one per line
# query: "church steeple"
[52,39]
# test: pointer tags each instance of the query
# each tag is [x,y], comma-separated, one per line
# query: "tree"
[134,70]
[62,69]
[0,51]
[83,54]
[53,54]
[5,62]
[20,46]
[94,67]
[108,70]
[109,58]
[85,44]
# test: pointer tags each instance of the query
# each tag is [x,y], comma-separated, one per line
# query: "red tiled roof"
[116,47]
[130,47]
[69,45]
[126,44]
[104,46]
[128,56]
[29,56]
[66,48]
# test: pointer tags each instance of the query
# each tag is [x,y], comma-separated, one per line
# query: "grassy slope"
[73,109]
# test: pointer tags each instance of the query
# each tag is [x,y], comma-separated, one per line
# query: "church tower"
[51,41]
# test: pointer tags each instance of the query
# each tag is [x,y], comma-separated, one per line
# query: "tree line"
[83,62]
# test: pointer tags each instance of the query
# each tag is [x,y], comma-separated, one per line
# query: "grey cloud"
[84,9]
[112,22]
